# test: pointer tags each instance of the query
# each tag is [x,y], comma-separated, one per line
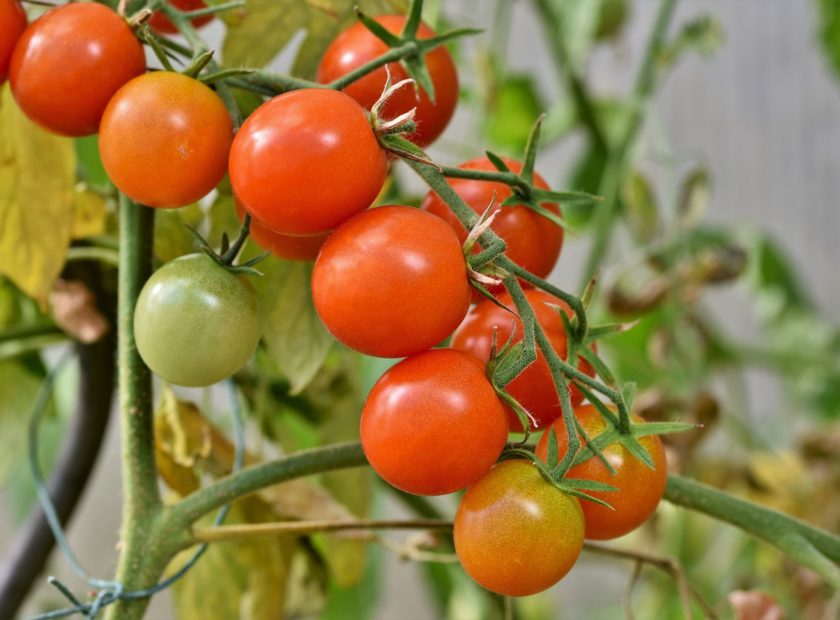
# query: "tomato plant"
[534,388]
[290,247]
[164,139]
[639,487]
[66,87]
[515,533]
[306,161]
[161,23]
[357,46]
[195,322]
[12,24]
[533,241]
[391,282]
[433,424]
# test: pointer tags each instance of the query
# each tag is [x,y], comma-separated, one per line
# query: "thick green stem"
[792,536]
[305,463]
[769,525]
[604,217]
[141,498]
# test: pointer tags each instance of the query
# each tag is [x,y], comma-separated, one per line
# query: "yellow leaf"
[37,175]
[243,579]
[90,211]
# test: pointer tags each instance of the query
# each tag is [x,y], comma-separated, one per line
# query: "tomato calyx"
[555,474]
[500,362]
[228,251]
[390,132]
[416,48]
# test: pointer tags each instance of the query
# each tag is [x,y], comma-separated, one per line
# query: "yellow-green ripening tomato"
[195,322]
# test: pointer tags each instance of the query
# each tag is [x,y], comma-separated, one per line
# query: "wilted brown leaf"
[74,310]
[755,605]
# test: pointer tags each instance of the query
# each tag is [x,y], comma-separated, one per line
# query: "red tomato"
[306,161]
[534,388]
[433,424]
[12,23]
[516,534]
[639,487]
[533,241]
[283,246]
[357,45]
[161,23]
[69,63]
[391,282]
[165,139]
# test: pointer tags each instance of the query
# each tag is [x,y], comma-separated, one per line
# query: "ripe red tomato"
[283,246]
[12,23]
[433,424]
[164,139]
[306,161]
[516,534]
[533,241]
[391,282]
[357,45]
[162,24]
[68,64]
[534,388]
[639,487]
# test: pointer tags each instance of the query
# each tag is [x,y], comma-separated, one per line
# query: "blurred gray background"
[763,114]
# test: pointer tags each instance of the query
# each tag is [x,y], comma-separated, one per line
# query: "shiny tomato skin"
[68,64]
[515,533]
[533,241]
[357,45]
[165,139]
[162,24]
[433,424]
[12,24]
[195,322]
[306,161]
[288,247]
[391,282]
[639,487]
[534,388]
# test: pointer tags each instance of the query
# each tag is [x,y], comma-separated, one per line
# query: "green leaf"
[37,177]
[628,393]
[87,153]
[172,237]
[640,206]
[296,339]
[589,485]
[829,27]
[18,389]
[515,108]
[694,198]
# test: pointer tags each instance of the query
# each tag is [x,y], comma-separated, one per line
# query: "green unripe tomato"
[195,322]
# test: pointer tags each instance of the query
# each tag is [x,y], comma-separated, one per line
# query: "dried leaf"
[242,579]
[37,175]
[74,310]
[755,605]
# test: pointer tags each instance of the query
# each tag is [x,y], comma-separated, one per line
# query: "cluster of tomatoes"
[391,281]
